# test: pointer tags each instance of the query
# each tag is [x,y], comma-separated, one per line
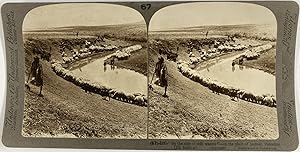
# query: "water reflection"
[104,67]
[249,79]
[241,67]
[112,67]
[126,80]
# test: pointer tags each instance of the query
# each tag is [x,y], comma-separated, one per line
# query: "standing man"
[161,74]
[36,74]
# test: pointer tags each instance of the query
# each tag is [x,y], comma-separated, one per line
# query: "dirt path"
[65,108]
[193,111]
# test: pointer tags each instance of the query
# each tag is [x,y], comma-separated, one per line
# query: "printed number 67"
[145,6]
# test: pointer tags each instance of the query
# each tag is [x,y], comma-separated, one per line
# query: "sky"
[60,15]
[218,13]
[175,16]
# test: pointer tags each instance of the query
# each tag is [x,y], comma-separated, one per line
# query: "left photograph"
[85,72]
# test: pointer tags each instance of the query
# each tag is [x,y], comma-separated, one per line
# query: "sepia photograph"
[151,75]
[85,72]
[212,72]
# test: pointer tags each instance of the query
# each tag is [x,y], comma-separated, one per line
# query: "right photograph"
[212,72]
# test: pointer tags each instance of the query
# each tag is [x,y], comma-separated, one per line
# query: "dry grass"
[127,32]
[76,112]
[66,109]
[138,61]
[250,31]
[265,62]
[193,111]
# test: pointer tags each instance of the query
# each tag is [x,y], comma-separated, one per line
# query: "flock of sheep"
[85,52]
[140,99]
[212,53]
[254,52]
[219,87]
[137,98]
[126,52]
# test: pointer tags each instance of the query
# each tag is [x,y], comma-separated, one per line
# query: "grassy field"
[67,110]
[137,62]
[251,31]
[127,32]
[192,111]
[265,62]
[249,34]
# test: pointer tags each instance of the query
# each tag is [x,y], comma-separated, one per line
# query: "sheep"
[132,48]
[195,76]
[120,95]
[194,60]
[268,101]
[139,100]
[259,99]
[121,55]
[218,87]
[86,85]
[111,93]
[179,62]
[130,98]
[103,90]
[232,92]
[145,100]
[254,53]
[214,87]
[274,100]
[137,94]
[248,96]
[125,53]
